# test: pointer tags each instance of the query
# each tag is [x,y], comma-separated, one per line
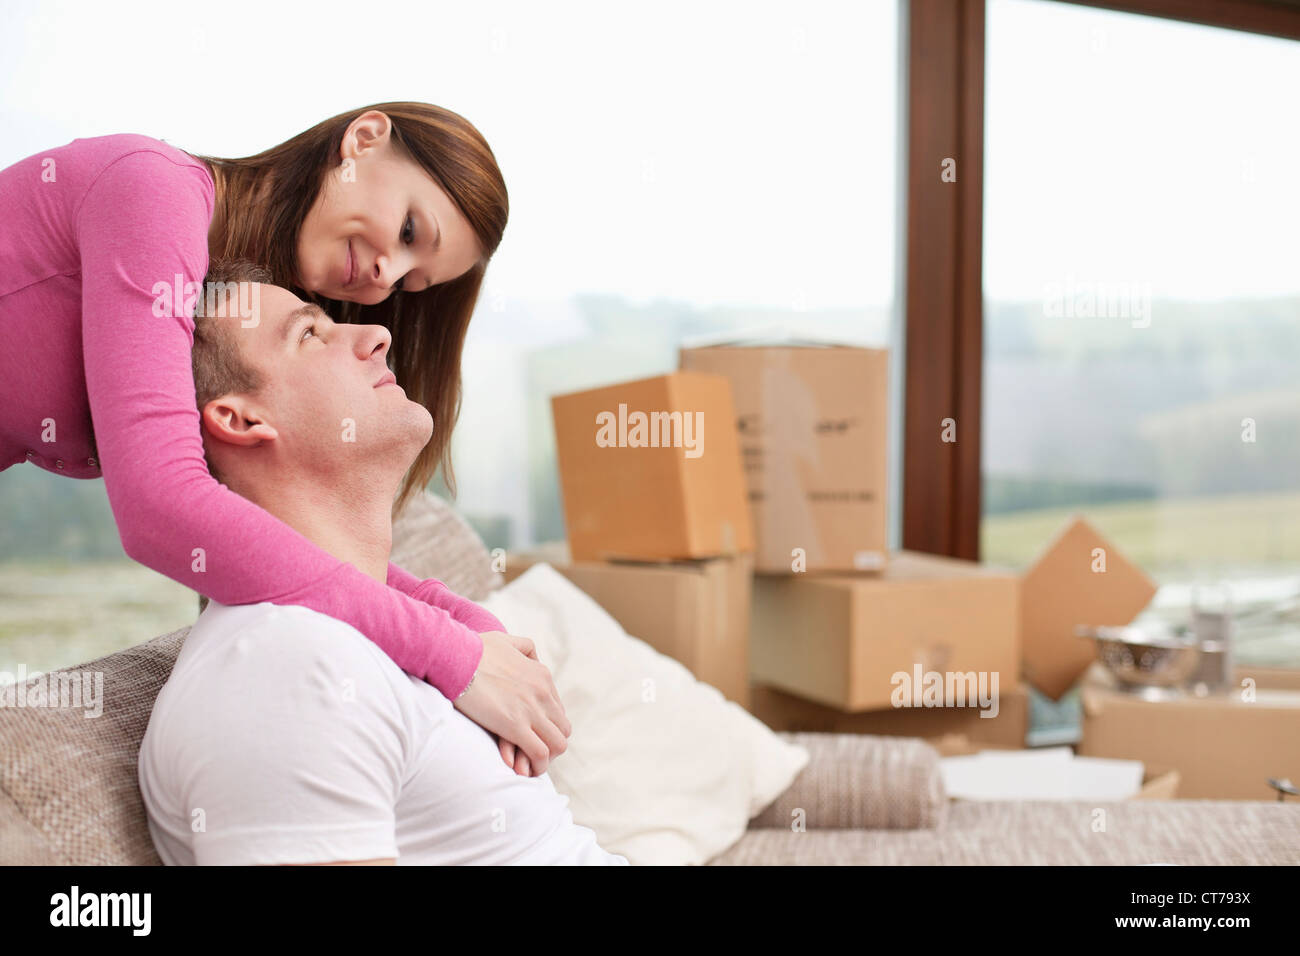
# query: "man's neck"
[352,520]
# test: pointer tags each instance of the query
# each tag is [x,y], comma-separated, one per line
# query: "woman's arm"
[145,221]
[432,591]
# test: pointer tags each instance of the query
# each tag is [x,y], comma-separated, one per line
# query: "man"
[284,736]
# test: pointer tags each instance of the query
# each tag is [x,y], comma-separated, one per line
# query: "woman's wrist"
[469,685]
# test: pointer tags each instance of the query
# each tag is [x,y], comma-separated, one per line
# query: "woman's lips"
[349,267]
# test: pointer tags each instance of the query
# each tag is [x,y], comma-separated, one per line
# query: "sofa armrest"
[861,782]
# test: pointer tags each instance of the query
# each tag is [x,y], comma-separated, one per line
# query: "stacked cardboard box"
[676,488]
[650,470]
[1006,726]
[847,644]
[868,642]
[658,526]
[696,611]
[812,422]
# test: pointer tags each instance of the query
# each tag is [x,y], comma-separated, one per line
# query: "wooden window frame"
[943,333]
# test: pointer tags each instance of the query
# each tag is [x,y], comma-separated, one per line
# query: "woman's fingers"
[525,645]
[514,696]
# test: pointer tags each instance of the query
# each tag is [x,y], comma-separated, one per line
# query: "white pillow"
[662,767]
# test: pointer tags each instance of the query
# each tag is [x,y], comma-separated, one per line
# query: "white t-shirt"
[285,736]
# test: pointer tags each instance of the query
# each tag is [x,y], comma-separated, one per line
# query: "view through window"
[675,170]
[1142,305]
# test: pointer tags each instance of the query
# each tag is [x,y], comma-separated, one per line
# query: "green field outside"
[1171,539]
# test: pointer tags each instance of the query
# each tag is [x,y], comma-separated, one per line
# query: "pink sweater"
[86,231]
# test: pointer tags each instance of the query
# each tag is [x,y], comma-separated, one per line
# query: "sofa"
[68,791]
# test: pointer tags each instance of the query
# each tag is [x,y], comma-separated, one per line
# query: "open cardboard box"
[842,639]
[1225,746]
[1080,578]
[1159,782]
[838,639]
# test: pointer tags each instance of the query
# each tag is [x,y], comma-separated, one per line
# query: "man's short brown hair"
[219,366]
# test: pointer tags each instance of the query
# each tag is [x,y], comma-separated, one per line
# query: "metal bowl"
[1143,660]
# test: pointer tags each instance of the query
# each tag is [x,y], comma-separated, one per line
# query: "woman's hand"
[514,697]
[515,758]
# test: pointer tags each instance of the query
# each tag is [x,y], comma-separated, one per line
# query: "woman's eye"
[408,231]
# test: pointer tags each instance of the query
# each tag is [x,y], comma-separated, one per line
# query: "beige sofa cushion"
[68,785]
[432,540]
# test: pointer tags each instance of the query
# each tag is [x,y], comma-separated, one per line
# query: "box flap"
[1080,579]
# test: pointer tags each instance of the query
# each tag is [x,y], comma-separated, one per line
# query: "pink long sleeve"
[144,221]
[432,591]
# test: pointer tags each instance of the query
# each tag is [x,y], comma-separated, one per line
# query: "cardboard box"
[696,612]
[1159,782]
[813,431]
[650,470]
[791,713]
[840,639]
[1080,579]
[1273,678]
[1224,747]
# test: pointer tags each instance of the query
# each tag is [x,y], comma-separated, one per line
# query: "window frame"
[943,311]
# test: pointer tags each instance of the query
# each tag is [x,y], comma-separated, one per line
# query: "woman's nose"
[386,272]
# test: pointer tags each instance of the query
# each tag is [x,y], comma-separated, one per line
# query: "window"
[674,170]
[697,171]
[1142,318]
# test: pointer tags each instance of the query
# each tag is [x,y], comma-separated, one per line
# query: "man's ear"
[233,420]
[369,131]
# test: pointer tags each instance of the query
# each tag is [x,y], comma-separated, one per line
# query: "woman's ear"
[231,420]
[369,131]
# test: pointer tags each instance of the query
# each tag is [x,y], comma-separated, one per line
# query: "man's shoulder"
[243,668]
[269,643]
[279,622]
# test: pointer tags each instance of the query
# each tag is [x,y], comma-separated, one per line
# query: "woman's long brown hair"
[266,197]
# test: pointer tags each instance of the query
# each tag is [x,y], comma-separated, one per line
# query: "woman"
[382,215]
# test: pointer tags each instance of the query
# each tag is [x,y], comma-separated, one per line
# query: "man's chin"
[421,428]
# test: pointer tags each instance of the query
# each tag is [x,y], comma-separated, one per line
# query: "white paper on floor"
[1052,773]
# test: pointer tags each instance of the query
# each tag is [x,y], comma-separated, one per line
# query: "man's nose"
[372,340]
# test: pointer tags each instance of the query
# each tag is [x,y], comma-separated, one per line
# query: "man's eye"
[311,329]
